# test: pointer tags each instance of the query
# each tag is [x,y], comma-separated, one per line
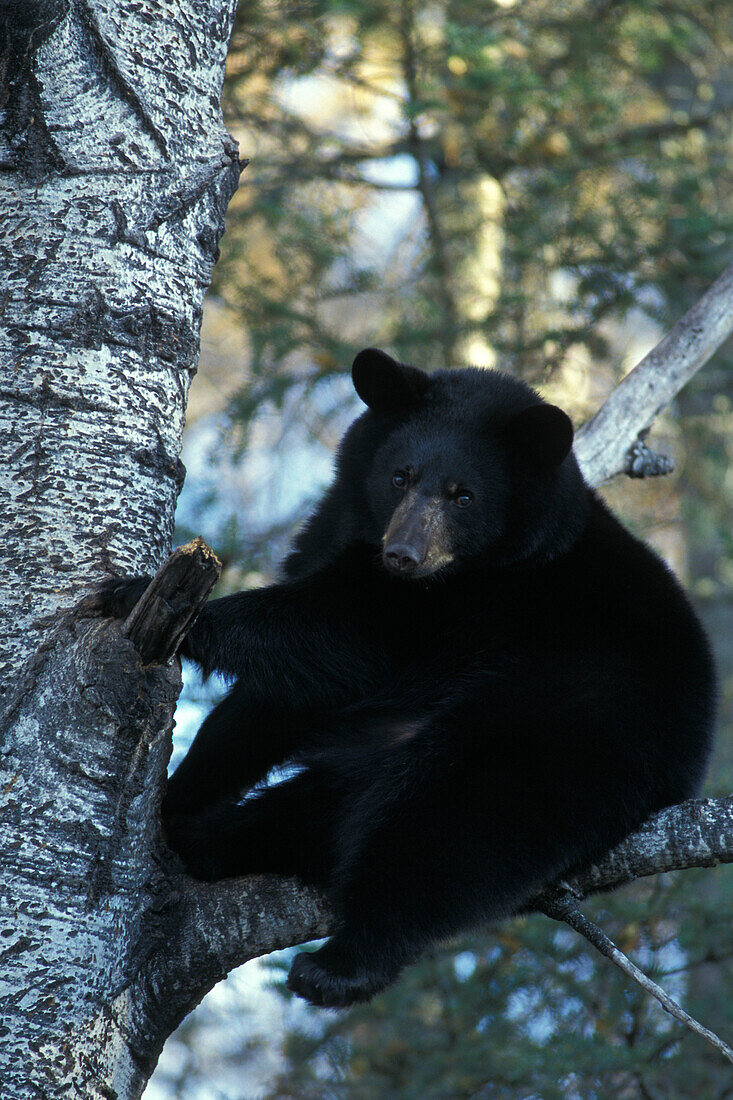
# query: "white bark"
[84,755]
[115,172]
[105,945]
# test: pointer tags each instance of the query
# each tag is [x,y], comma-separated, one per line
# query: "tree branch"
[561,907]
[197,932]
[224,924]
[696,833]
[604,446]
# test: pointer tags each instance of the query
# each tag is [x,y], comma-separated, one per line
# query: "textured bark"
[83,759]
[115,172]
[697,833]
[106,944]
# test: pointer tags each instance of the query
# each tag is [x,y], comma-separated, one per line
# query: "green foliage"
[603,126]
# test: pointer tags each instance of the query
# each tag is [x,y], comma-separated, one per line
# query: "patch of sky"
[391,216]
[283,467]
[197,699]
[398,171]
[525,1006]
[464,965]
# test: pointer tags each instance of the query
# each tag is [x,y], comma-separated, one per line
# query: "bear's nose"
[400,557]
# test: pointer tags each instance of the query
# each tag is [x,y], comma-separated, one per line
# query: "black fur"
[531,689]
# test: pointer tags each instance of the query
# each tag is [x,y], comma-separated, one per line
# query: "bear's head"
[452,470]
[461,467]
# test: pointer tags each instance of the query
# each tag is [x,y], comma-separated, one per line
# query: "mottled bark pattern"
[698,833]
[105,945]
[116,172]
[84,752]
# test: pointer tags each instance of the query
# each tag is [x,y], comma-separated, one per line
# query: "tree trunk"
[116,174]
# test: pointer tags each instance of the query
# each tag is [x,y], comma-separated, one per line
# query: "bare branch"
[561,906]
[201,931]
[603,445]
[696,833]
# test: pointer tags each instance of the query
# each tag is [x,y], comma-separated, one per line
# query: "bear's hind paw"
[326,988]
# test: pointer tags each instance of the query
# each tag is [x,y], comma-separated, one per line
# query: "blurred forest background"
[539,185]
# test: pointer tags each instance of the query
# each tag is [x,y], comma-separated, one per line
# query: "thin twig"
[561,906]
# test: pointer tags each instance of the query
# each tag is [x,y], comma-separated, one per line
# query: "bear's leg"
[237,745]
[350,968]
[405,878]
[285,829]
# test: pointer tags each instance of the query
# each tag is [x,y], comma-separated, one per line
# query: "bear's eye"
[463,499]
[399,479]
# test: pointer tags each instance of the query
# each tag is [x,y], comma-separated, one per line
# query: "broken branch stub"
[171,603]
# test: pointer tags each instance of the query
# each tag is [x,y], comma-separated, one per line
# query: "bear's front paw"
[329,980]
[115,597]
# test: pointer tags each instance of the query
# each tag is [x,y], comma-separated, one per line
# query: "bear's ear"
[544,434]
[384,384]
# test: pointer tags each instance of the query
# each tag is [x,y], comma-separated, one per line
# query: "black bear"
[480,679]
